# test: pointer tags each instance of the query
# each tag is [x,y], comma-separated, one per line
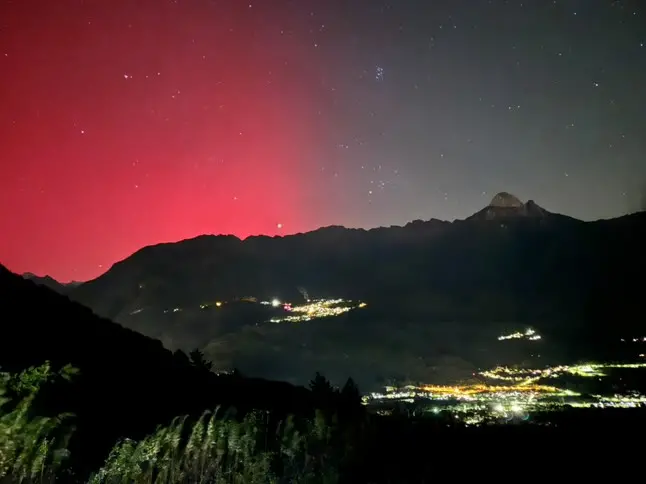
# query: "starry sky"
[126,123]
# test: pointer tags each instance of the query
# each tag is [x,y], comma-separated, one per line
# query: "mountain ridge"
[529,209]
[523,266]
[426,225]
[490,213]
[336,237]
[263,259]
[50,282]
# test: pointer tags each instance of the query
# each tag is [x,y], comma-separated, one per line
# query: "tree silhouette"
[199,361]
[181,358]
[321,385]
[323,393]
[350,394]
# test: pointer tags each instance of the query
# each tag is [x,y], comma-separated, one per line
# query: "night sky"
[125,123]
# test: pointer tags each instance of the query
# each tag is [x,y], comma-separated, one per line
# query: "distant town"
[308,310]
[505,393]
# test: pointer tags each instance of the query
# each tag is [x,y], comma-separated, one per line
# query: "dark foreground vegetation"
[222,446]
[86,400]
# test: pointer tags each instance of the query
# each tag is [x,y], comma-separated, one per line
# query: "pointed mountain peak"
[506,200]
[506,205]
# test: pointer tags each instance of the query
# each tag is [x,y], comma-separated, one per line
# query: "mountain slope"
[128,383]
[50,282]
[531,249]
[512,262]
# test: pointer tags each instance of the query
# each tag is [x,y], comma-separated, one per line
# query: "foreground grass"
[217,448]
[31,448]
[222,450]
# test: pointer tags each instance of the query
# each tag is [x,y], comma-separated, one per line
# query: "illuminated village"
[309,310]
[314,309]
[507,393]
[510,393]
[500,394]
[528,334]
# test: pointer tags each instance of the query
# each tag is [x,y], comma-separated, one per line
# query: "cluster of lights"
[166,311]
[475,393]
[519,396]
[217,304]
[470,391]
[314,309]
[528,376]
[529,334]
[633,400]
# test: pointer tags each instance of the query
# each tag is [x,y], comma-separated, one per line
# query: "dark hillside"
[128,383]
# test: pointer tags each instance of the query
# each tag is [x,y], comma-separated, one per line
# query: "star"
[240,113]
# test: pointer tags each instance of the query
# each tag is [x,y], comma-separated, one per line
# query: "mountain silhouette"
[50,282]
[510,263]
[135,377]
[505,205]
[128,385]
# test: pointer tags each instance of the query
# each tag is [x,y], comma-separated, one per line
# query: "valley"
[511,286]
[512,316]
[507,394]
[282,242]
[524,391]
[429,301]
